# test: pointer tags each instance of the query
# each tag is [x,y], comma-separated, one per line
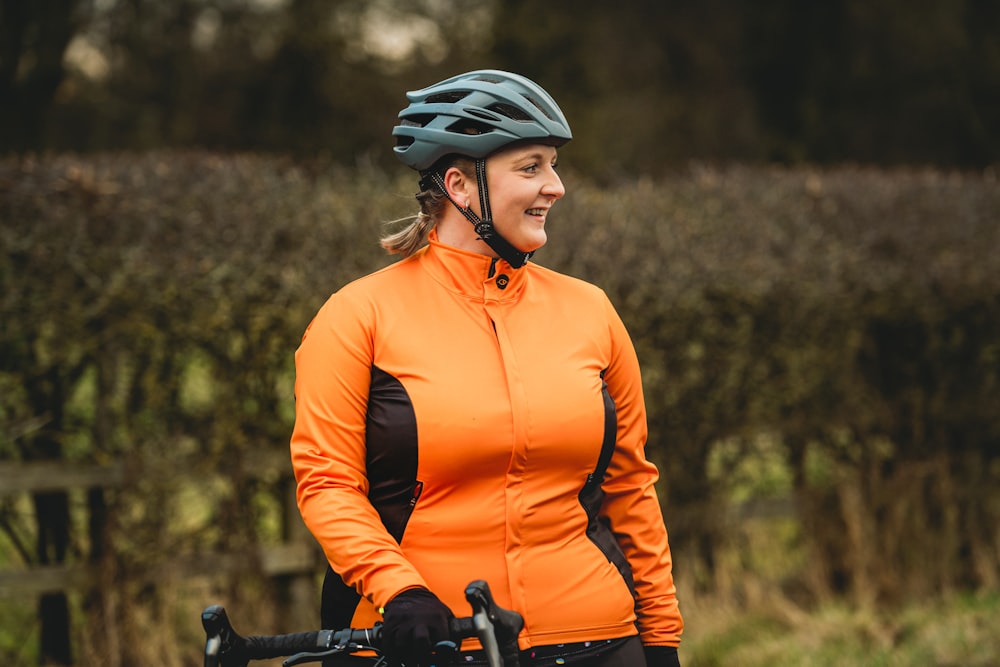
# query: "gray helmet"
[474,114]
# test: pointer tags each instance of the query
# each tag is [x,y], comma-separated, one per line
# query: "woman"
[466,414]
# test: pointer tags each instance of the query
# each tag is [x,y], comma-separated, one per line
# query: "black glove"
[413,622]
[661,656]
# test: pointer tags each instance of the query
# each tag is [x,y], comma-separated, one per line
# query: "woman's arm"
[631,503]
[333,374]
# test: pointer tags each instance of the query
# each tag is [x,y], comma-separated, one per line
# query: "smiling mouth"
[536,211]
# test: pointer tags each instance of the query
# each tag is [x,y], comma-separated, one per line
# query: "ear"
[459,187]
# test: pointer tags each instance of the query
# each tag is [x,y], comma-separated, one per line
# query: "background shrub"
[821,336]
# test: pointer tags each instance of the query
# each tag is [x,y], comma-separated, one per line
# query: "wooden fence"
[295,556]
[295,562]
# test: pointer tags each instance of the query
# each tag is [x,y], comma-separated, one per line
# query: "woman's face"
[523,185]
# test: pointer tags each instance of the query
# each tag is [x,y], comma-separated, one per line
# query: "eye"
[531,168]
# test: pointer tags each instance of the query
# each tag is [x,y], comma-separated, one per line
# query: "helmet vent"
[417,120]
[510,111]
[447,98]
[489,79]
[469,127]
[539,107]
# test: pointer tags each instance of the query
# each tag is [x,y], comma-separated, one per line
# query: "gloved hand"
[661,656]
[413,622]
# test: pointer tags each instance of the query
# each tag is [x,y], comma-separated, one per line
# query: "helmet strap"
[484,225]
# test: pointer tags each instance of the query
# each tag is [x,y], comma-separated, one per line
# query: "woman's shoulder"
[361,294]
[377,278]
[566,283]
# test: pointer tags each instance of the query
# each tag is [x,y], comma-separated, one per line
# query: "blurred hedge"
[847,319]
[850,315]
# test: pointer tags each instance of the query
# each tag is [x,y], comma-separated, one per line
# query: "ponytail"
[410,238]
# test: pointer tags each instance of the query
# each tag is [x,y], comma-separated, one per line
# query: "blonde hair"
[433,201]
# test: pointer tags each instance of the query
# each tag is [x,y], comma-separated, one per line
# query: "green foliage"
[823,334]
[15,647]
[151,307]
[850,313]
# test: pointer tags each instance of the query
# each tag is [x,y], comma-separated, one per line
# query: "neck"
[454,230]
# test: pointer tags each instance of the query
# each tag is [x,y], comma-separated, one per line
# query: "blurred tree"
[302,76]
[654,83]
[647,86]
[877,82]
[33,39]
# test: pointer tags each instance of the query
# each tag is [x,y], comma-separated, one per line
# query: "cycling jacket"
[451,414]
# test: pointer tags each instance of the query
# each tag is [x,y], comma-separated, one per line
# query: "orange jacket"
[449,410]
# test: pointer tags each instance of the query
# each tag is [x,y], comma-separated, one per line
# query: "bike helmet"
[475,114]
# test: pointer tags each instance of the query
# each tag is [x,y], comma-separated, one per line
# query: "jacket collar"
[472,274]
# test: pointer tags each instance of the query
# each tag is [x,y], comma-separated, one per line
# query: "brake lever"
[496,628]
[315,656]
[220,635]
[481,601]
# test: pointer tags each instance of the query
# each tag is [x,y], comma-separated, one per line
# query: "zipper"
[418,488]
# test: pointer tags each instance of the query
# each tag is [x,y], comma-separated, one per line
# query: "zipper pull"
[418,488]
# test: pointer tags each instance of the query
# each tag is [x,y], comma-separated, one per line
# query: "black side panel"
[391,438]
[591,496]
[391,441]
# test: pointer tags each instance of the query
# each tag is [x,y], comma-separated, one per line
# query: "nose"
[553,186]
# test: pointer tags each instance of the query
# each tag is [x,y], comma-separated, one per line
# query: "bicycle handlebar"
[497,629]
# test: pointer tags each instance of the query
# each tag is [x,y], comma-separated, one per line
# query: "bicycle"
[495,627]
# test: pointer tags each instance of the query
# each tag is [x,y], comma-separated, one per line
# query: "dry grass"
[960,630]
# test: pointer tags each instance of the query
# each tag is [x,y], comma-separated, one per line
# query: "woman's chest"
[493,386]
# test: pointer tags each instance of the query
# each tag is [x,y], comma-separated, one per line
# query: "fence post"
[297,592]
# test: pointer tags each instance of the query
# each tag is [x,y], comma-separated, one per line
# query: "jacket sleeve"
[631,504]
[332,378]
